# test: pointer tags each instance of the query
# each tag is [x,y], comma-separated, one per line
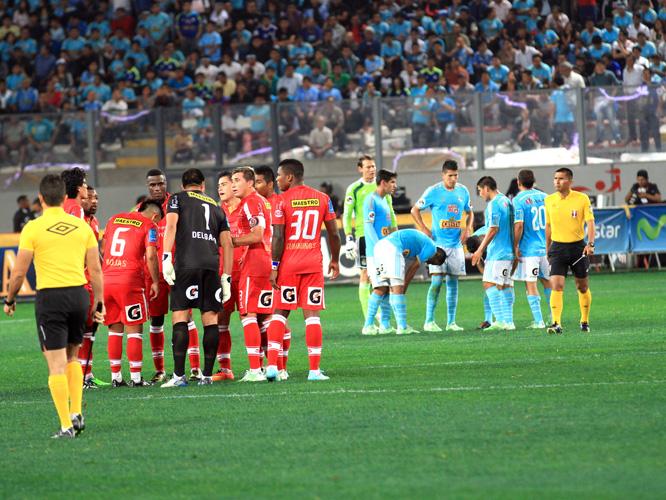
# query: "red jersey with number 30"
[255,211]
[302,210]
[125,241]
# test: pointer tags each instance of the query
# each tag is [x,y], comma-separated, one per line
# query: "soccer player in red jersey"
[265,186]
[229,204]
[255,293]
[130,244]
[158,307]
[77,191]
[297,269]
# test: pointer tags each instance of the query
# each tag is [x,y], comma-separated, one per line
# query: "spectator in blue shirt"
[380,27]
[266,30]
[26,98]
[622,18]
[311,33]
[120,42]
[27,44]
[140,58]
[610,33]
[180,82]
[647,13]
[39,132]
[374,64]
[563,101]
[189,26]
[277,62]
[589,32]
[540,70]
[300,48]
[158,24]
[100,24]
[499,73]
[306,92]
[598,48]
[192,102]
[648,48]
[487,87]
[445,118]
[73,44]
[482,58]
[491,27]
[391,50]
[44,65]
[14,80]
[211,44]
[329,90]
[400,27]
[369,44]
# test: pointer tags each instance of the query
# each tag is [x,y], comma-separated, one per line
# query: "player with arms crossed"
[397,258]
[499,242]
[567,214]
[197,227]
[297,268]
[379,219]
[255,294]
[130,244]
[529,240]
[449,202]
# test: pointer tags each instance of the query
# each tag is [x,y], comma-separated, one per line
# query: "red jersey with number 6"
[302,210]
[126,238]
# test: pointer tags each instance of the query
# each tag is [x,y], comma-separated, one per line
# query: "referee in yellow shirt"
[61,245]
[567,213]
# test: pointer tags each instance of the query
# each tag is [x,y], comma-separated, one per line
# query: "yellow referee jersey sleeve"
[59,243]
[567,216]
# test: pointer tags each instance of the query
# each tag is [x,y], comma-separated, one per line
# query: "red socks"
[313,338]
[193,346]
[85,354]
[135,354]
[115,350]
[224,347]
[275,336]
[252,341]
[284,352]
[157,347]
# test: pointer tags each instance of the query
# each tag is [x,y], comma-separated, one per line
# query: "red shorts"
[159,306]
[91,307]
[125,304]
[301,290]
[255,295]
[233,304]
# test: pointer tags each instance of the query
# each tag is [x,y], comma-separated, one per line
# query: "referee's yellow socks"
[556,306]
[75,380]
[60,394]
[585,301]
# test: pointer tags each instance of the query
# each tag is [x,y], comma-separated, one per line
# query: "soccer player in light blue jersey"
[452,223]
[529,240]
[396,259]
[499,259]
[379,220]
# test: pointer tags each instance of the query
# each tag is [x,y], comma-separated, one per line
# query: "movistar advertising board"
[648,228]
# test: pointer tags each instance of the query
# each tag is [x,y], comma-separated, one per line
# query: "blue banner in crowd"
[648,228]
[611,231]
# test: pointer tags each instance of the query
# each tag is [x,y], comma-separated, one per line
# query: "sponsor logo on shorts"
[288,294]
[310,202]
[133,312]
[192,292]
[61,228]
[535,271]
[266,298]
[315,295]
[505,272]
[218,295]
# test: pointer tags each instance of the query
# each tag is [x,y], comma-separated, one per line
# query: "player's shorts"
[255,295]
[498,272]
[125,304]
[453,265]
[532,268]
[565,256]
[361,259]
[91,306]
[300,290]
[196,289]
[389,265]
[61,316]
[159,306]
[233,304]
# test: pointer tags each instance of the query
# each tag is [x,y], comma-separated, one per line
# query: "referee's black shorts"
[196,289]
[61,315]
[565,256]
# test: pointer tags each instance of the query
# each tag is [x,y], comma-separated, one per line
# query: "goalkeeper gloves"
[168,271]
[350,248]
[225,280]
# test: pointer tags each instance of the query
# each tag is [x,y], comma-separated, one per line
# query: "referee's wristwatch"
[591,244]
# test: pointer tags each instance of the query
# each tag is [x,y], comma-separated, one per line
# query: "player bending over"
[499,242]
[379,219]
[448,202]
[529,243]
[397,258]
[130,243]
[297,268]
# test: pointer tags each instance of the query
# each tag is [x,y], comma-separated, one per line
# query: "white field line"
[334,392]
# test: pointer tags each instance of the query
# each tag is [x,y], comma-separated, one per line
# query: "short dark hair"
[642,173]
[526,178]
[487,181]
[154,172]
[52,189]
[363,158]
[193,177]
[21,198]
[385,175]
[90,187]
[225,173]
[293,167]
[565,170]
[73,178]
[473,243]
[266,172]
[151,204]
[450,165]
[246,171]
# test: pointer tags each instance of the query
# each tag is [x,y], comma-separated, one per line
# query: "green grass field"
[501,415]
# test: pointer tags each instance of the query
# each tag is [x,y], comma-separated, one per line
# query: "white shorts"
[498,272]
[388,265]
[532,268]
[453,265]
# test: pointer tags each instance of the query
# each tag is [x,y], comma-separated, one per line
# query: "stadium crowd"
[120,56]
